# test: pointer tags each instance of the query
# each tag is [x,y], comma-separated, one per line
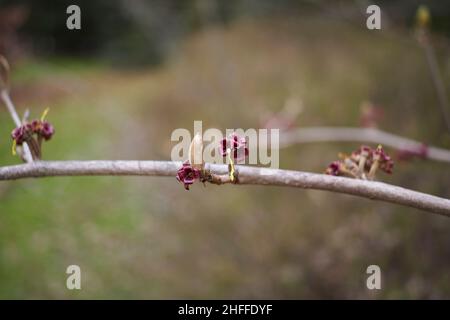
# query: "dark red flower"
[18,135]
[333,168]
[21,134]
[187,175]
[365,151]
[35,125]
[385,162]
[42,128]
[223,147]
[46,130]
[236,145]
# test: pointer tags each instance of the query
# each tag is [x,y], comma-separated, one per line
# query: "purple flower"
[35,126]
[21,134]
[46,130]
[223,147]
[236,145]
[187,174]
[42,128]
[386,162]
[365,151]
[334,168]
[18,135]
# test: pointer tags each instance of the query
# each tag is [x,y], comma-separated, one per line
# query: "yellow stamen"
[13,149]
[44,114]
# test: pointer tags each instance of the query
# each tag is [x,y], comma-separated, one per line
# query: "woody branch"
[246,176]
[365,135]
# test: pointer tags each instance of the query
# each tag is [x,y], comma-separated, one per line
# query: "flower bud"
[196,152]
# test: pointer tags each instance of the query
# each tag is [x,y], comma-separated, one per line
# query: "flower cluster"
[42,129]
[235,146]
[193,169]
[33,133]
[362,163]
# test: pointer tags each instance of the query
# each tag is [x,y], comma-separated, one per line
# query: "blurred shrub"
[143,32]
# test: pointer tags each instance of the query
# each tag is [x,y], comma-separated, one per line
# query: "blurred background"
[138,69]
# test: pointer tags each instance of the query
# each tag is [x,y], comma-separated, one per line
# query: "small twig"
[11,109]
[247,175]
[26,115]
[4,96]
[219,179]
[437,79]
[368,135]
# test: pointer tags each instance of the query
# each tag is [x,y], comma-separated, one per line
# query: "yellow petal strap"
[44,114]
[342,155]
[13,149]
[231,167]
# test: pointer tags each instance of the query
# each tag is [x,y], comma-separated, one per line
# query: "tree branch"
[246,175]
[350,134]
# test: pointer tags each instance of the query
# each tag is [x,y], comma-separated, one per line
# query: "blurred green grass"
[148,238]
